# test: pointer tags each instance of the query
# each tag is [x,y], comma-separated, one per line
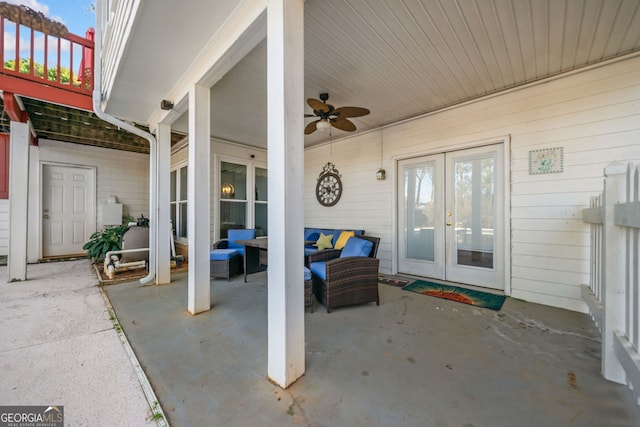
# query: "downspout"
[97,109]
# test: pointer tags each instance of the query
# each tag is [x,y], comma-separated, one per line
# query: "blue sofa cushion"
[312,234]
[222,254]
[356,247]
[308,251]
[241,234]
[319,269]
[307,274]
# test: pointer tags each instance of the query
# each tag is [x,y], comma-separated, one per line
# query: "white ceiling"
[399,58]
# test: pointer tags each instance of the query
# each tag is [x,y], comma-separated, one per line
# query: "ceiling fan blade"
[319,106]
[310,115]
[351,112]
[311,128]
[343,124]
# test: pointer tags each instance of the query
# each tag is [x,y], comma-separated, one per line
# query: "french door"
[451,216]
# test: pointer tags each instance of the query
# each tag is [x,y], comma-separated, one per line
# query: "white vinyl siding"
[592,114]
[120,173]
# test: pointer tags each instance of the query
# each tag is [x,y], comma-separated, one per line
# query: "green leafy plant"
[24,67]
[104,241]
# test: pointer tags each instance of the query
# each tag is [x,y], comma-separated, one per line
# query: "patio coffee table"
[255,255]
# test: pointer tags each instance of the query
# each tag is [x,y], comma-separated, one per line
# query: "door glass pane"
[182,230]
[232,216]
[172,195]
[233,181]
[261,184]
[173,218]
[183,183]
[474,211]
[261,219]
[419,198]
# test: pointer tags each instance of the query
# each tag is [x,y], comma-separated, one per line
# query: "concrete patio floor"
[58,346]
[412,361]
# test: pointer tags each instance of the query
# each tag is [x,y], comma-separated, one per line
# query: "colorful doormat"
[454,293]
[393,281]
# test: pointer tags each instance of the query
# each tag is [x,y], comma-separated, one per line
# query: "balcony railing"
[613,294]
[54,62]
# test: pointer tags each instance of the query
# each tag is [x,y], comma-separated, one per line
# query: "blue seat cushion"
[307,274]
[319,269]
[222,254]
[356,247]
[308,251]
[241,234]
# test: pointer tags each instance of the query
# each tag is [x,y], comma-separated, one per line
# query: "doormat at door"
[454,293]
[396,281]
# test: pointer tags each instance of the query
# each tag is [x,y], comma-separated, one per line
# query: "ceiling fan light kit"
[323,125]
[327,115]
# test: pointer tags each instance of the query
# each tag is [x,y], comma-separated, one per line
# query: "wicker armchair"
[226,256]
[347,280]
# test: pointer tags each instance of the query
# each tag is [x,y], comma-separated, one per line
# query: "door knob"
[449,213]
[448,223]
[46,217]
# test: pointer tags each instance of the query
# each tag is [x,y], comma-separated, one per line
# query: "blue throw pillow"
[311,235]
[356,247]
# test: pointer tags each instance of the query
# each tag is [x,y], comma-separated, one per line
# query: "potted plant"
[105,240]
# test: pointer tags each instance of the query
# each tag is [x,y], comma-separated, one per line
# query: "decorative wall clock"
[329,186]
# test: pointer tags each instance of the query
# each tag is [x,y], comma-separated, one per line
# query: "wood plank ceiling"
[399,58]
[405,58]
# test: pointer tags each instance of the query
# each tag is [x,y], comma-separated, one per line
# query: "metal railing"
[613,294]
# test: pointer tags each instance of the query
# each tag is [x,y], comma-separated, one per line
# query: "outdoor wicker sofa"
[340,279]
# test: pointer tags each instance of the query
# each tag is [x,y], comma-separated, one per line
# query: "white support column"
[285,90]
[163,221]
[18,201]
[198,196]
[613,275]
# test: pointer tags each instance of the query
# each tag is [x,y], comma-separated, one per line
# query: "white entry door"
[451,217]
[68,209]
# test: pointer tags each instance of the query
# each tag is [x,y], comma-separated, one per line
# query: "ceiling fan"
[330,116]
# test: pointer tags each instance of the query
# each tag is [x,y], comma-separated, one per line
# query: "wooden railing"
[32,56]
[613,294]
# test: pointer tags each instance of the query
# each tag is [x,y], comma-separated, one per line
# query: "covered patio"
[412,361]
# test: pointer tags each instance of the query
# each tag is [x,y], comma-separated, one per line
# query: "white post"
[613,274]
[163,250]
[18,201]
[285,91]
[198,233]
